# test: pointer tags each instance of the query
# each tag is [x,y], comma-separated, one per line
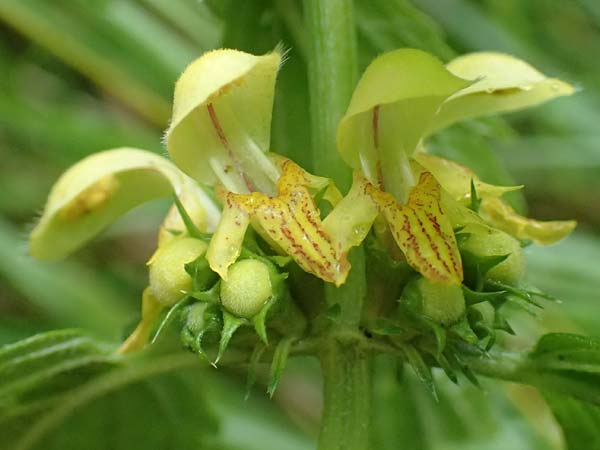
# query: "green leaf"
[464,417]
[102,51]
[27,364]
[115,408]
[569,352]
[580,421]
[87,300]
[561,362]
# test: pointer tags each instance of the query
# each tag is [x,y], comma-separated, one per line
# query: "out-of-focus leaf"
[26,364]
[569,271]
[193,18]
[100,52]
[464,416]
[116,407]
[562,362]
[67,293]
[385,25]
[580,422]
[76,393]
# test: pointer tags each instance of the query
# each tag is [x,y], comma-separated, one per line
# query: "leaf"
[87,300]
[118,407]
[569,270]
[580,421]
[560,362]
[463,416]
[571,352]
[501,83]
[27,364]
[102,52]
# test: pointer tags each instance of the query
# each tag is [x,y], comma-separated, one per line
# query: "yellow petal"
[220,129]
[502,83]
[95,192]
[352,218]
[423,231]
[226,243]
[456,178]
[500,215]
[391,108]
[290,221]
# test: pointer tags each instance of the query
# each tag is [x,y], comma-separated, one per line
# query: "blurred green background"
[79,76]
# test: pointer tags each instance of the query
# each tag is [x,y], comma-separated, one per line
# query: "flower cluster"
[450,244]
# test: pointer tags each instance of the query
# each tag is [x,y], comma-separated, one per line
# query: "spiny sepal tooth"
[475,297]
[201,323]
[257,353]
[169,317]
[230,325]
[420,367]
[462,330]
[279,362]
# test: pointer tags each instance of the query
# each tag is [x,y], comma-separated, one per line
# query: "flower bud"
[168,277]
[442,303]
[247,288]
[494,243]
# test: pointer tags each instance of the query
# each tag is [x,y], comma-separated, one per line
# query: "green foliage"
[579,420]
[63,389]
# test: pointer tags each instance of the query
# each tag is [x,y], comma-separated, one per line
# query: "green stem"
[332,73]
[332,70]
[346,395]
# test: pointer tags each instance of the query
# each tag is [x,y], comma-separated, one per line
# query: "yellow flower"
[219,136]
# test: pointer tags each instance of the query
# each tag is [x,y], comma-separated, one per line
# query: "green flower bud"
[247,288]
[493,242]
[442,303]
[168,278]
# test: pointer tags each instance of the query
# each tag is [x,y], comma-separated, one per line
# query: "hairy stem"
[332,73]
[347,396]
[346,367]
